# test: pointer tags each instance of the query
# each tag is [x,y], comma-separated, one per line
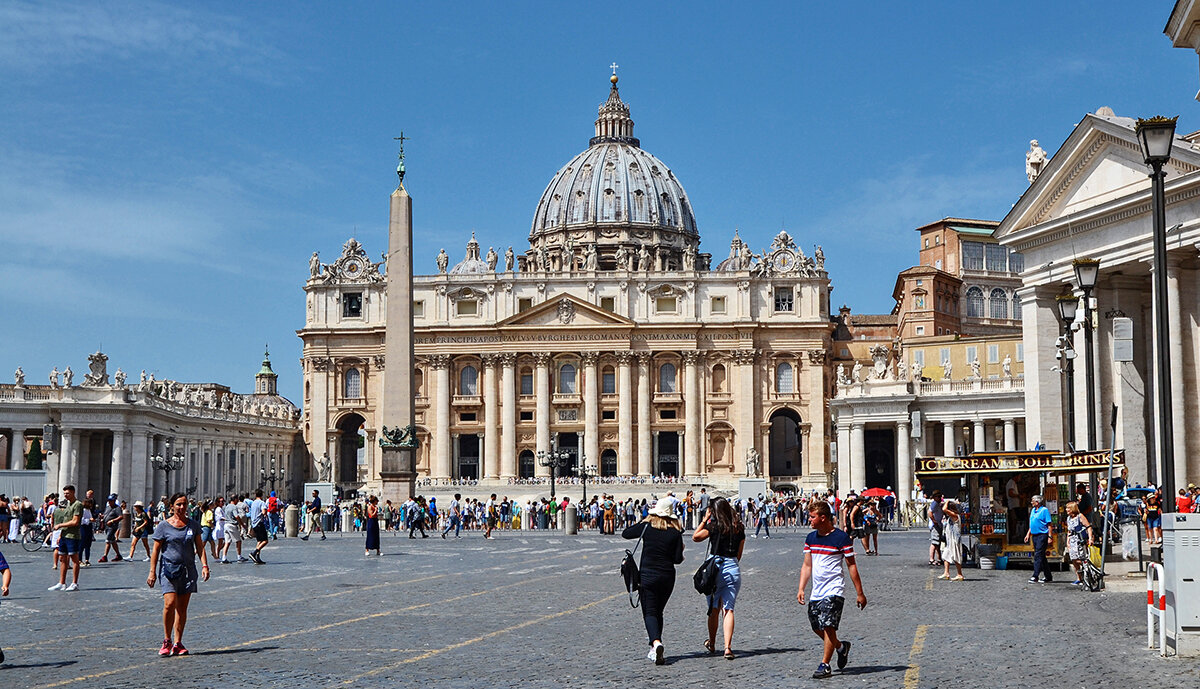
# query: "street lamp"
[1086,272]
[586,471]
[554,459]
[172,462]
[270,477]
[1156,135]
[1067,306]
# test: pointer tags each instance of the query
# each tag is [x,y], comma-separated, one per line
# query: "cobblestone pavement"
[544,610]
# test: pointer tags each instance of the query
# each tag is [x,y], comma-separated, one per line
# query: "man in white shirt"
[258,525]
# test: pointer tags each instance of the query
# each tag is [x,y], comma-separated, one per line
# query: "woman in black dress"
[662,549]
[372,526]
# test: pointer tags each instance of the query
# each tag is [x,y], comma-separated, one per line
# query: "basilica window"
[353,384]
[974,303]
[608,304]
[608,381]
[566,379]
[1016,305]
[468,381]
[467,307]
[997,258]
[784,382]
[999,303]
[718,378]
[784,299]
[526,382]
[352,305]
[418,308]
[972,255]
[666,378]
[665,305]
[524,304]
[717,305]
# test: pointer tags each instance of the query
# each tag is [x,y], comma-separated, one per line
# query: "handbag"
[705,578]
[630,573]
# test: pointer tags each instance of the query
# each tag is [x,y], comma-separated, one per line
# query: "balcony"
[668,397]
[466,400]
[566,398]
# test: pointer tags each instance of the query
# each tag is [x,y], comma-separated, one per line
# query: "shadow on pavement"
[59,664]
[233,651]
[869,669]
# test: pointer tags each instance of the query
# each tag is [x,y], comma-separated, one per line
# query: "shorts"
[186,582]
[233,533]
[70,546]
[1154,523]
[491,522]
[260,532]
[872,529]
[110,536]
[825,613]
[857,533]
[206,534]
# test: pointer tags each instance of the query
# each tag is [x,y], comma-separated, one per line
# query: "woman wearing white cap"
[662,549]
[140,530]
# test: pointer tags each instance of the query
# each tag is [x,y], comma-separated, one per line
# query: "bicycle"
[36,537]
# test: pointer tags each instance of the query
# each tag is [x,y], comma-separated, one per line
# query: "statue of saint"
[753,462]
[492,259]
[975,369]
[644,258]
[508,260]
[1007,365]
[841,374]
[947,369]
[314,265]
[68,377]
[902,370]
[1035,161]
[443,260]
[54,378]
[589,257]
[543,261]
[819,258]
[19,377]
[856,372]
[119,377]
[323,465]
[622,258]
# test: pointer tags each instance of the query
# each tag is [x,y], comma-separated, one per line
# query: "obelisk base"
[399,475]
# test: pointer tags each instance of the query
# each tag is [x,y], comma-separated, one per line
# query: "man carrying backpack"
[273,507]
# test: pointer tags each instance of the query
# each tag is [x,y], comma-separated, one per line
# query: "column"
[1178,403]
[490,461]
[16,449]
[1010,435]
[120,456]
[440,464]
[746,407]
[454,448]
[858,458]
[68,466]
[904,465]
[541,386]
[979,437]
[508,415]
[139,457]
[624,414]
[591,408]
[948,439]
[692,463]
[843,452]
[647,449]
[654,451]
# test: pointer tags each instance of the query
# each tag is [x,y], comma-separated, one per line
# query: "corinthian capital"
[439,361]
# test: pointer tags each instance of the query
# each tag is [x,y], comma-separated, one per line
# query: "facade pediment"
[1100,161]
[565,310]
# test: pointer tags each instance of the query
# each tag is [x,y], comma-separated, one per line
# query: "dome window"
[609,192]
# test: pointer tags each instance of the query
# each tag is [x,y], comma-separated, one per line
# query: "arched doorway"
[880,461]
[525,464]
[608,463]
[786,450]
[351,448]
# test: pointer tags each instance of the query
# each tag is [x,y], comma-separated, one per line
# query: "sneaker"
[56,587]
[322,537]
[947,576]
[146,558]
[1033,580]
[1077,582]
[86,564]
[241,558]
[443,535]
[767,536]
[166,648]
[178,650]
[118,558]
[843,655]
[1,656]
[823,671]
[223,561]
[958,578]
[103,559]
[304,537]
[72,587]
[660,654]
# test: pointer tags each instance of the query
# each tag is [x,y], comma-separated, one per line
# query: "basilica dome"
[616,194]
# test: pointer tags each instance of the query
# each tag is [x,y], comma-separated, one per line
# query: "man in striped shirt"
[824,551]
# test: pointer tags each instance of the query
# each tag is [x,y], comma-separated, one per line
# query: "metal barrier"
[1156,607]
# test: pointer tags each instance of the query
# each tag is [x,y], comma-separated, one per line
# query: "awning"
[998,462]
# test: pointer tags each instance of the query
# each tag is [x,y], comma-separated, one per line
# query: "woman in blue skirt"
[372,526]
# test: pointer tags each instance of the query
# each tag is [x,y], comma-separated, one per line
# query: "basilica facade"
[611,337]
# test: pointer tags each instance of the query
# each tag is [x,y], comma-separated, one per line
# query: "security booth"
[995,489]
[1181,563]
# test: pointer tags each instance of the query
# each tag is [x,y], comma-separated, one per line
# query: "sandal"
[710,647]
[729,654]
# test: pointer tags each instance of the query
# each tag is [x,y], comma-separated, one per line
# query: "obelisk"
[398,438]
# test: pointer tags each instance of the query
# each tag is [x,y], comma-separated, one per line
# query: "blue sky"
[168,168]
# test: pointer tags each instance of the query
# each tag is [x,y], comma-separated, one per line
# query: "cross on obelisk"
[400,166]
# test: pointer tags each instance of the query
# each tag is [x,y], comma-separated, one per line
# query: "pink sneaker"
[166,648]
[179,650]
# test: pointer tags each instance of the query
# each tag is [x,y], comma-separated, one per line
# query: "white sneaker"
[660,655]
[72,587]
[146,559]
[56,587]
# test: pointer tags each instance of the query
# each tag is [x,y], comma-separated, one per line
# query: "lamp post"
[1087,270]
[554,459]
[270,477]
[586,471]
[172,462]
[1156,136]
[1067,306]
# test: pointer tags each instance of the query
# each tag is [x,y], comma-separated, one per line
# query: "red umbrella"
[876,493]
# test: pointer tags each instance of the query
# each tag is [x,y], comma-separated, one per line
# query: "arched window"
[353,384]
[566,379]
[666,378]
[1016,305]
[974,303]
[468,381]
[783,378]
[718,378]
[608,381]
[999,303]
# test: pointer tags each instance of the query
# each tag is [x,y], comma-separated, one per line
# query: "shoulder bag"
[705,578]
[630,573]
